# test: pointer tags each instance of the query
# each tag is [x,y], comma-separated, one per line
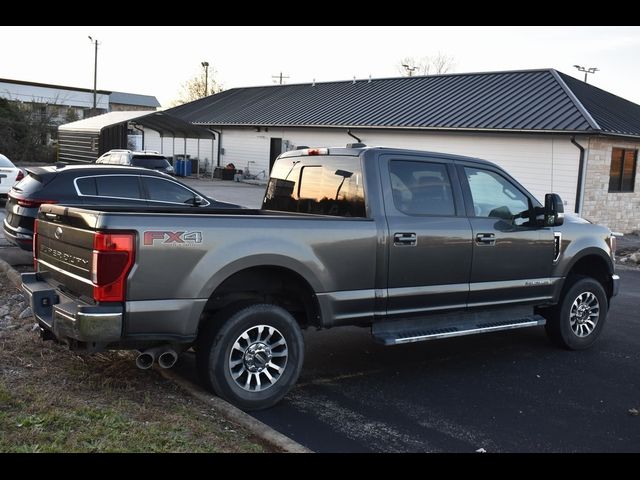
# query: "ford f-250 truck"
[416,245]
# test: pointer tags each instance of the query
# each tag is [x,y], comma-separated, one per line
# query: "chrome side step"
[394,336]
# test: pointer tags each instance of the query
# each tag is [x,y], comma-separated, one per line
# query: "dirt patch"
[53,400]
[628,249]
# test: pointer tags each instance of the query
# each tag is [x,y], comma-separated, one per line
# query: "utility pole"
[280,77]
[586,71]
[206,77]
[95,72]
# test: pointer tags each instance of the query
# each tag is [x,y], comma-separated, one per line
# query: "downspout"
[580,187]
[352,135]
[142,131]
[219,142]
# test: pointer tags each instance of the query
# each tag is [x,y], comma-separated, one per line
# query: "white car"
[9,175]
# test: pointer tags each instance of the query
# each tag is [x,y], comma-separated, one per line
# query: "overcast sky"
[157,60]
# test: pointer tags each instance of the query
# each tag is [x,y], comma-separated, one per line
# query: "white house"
[551,131]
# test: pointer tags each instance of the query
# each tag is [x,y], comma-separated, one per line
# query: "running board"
[396,333]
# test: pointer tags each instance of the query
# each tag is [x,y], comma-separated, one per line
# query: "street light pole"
[586,71]
[409,69]
[206,77]
[95,73]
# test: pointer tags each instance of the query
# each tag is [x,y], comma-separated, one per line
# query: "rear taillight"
[20,175]
[24,202]
[113,255]
[35,245]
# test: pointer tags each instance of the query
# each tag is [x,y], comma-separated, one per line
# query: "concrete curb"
[256,427]
[12,274]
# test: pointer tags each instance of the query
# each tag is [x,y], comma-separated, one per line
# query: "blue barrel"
[179,167]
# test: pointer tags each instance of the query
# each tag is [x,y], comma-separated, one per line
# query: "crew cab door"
[512,254]
[429,242]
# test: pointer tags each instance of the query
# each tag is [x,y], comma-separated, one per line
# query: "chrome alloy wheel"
[258,358]
[584,314]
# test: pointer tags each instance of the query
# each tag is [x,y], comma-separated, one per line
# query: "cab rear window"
[320,185]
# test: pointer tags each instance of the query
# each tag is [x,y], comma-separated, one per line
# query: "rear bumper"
[615,284]
[70,319]
[18,238]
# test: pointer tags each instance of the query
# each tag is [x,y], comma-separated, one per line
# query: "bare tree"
[194,88]
[437,65]
[442,63]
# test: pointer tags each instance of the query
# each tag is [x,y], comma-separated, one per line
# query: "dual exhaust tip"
[166,357]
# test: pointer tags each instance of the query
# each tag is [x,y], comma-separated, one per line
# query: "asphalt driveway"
[503,392]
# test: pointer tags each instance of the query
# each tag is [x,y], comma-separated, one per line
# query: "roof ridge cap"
[578,104]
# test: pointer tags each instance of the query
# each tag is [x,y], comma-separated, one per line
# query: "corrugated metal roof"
[613,114]
[162,122]
[96,123]
[134,99]
[532,100]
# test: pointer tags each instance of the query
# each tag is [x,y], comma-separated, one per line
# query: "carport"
[85,140]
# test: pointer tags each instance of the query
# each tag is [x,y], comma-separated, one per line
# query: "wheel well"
[267,284]
[595,267]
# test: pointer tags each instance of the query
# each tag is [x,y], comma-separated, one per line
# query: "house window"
[623,170]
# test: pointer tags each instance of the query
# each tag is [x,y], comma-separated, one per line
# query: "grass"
[52,400]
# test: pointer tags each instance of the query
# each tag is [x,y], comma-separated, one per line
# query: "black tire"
[559,328]
[220,338]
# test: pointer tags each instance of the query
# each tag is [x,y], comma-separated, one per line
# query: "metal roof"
[161,122]
[530,100]
[134,99]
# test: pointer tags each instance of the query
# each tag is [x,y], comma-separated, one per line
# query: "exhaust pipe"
[145,359]
[167,359]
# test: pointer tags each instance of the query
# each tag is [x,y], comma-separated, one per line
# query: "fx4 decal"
[156,237]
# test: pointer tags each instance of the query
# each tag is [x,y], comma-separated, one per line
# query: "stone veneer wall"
[618,211]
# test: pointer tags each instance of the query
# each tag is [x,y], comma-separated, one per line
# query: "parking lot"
[510,391]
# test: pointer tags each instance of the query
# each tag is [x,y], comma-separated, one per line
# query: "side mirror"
[553,210]
[198,201]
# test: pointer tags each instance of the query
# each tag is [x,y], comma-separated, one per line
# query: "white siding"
[244,145]
[542,163]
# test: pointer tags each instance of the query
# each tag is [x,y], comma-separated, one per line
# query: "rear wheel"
[251,355]
[577,321]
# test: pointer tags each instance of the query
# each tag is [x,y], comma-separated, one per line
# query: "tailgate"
[64,248]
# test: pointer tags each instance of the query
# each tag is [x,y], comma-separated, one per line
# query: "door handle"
[486,239]
[405,239]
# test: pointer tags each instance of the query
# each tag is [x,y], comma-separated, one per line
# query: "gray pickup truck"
[415,245]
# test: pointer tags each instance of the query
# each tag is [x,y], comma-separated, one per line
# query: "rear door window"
[118,186]
[87,186]
[161,190]
[421,188]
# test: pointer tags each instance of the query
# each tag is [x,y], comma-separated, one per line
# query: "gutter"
[580,187]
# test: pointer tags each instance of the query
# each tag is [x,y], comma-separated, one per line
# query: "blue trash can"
[180,168]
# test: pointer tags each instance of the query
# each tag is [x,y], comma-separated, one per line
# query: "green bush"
[26,131]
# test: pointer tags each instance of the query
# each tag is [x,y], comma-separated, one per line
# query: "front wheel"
[577,321]
[251,355]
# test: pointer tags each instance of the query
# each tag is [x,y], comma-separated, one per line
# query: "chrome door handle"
[486,239]
[405,239]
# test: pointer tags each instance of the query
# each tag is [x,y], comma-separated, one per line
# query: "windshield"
[5,162]
[149,162]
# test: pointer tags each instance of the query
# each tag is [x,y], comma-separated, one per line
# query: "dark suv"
[144,159]
[84,185]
